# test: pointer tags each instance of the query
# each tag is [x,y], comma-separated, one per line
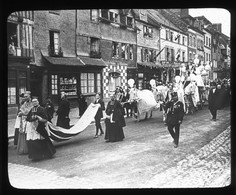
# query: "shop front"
[75,76]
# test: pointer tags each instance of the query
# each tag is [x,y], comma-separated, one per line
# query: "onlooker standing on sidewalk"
[63,111]
[213,100]
[175,114]
[49,108]
[39,143]
[22,147]
[99,114]
[82,104]
[18,120]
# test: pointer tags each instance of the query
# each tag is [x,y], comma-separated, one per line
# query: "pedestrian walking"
[99,114]
[175,114]
[49,108]
[114,121]
[63,111]
[22,147]
[39,144]
[82,104]
[213,100]
[226,93]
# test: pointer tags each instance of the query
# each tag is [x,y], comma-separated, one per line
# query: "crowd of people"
[32,138]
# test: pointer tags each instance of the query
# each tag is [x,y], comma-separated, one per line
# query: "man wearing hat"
[175,114]
[213,100]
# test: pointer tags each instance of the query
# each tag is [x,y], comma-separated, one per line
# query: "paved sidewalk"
[208,167]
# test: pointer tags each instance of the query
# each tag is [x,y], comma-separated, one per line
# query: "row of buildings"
[89,51]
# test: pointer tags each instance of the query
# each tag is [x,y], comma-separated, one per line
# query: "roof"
[92,61]
[158,17]
[72,61]
[175,19]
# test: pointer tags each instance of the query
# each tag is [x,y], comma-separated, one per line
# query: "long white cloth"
[60,134]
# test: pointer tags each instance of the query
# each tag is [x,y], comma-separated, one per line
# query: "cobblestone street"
[207,167]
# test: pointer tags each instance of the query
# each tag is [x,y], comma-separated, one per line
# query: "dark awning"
[92,61]
[64,61]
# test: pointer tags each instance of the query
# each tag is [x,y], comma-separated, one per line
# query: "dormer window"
[129,21]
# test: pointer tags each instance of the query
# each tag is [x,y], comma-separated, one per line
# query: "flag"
[160,52]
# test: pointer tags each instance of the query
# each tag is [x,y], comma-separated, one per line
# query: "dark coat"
[214,99]
[63,114]
[175,112]
[49,107]
[82,105]
[99,114]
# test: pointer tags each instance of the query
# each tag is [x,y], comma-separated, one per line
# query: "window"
[94,15]
[129,21]
[140,81]
[131,52]
[172,55]
[95,48]
[167,35]
[12,36]
[99,80]
[147,31]
[115,49]
[54,42]
[190,40]
[167,54]
[54,84]
[22,81]
[67,84]
[90,82]
[194,42]
[104,13]
[11,87]
[113,16]
[183,40]
[183,56]
[206,41]
[171,36]
[123,51]
[144,55]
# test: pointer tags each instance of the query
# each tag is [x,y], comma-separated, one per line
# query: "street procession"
[88,89]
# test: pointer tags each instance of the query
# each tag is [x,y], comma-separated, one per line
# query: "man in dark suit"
[99,114]
[213,100]
[175,114]
[63,119]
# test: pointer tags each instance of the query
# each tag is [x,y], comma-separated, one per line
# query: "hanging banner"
[59,134]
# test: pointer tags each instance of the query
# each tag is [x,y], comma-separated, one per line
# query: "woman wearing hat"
[175,114]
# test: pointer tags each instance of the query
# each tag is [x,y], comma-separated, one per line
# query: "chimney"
[217,26]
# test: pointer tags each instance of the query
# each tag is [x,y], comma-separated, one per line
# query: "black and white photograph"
[119,98]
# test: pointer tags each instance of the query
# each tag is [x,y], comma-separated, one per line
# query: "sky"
[214,15]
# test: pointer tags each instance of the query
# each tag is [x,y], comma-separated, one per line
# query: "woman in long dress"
[114,121]
[39,144]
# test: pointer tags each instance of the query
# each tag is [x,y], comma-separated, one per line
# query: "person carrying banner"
[63,111]
[99,114]
[175,114]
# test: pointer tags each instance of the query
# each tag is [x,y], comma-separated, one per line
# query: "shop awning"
[64,61]
[92,61]
[149,64]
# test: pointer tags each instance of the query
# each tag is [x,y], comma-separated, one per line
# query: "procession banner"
[61,134]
